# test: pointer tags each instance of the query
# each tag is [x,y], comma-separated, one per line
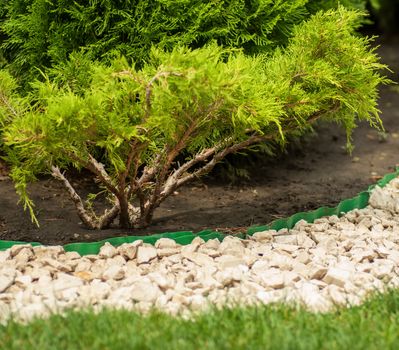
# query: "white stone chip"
[114,272]
[264,236]
[127,250]
[145,254]
[145,291]
[337,276]
[107,251]
[163,243]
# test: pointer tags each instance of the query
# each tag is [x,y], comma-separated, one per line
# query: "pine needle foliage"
[129,126]
[36,34]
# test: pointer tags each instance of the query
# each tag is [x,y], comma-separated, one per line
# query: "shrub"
[40,33]
[204,103]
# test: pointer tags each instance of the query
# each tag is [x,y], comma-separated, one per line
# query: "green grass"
[373,325]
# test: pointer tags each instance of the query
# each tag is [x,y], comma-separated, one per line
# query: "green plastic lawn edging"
[185,237]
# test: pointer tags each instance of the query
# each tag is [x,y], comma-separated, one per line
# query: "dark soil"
[319,173]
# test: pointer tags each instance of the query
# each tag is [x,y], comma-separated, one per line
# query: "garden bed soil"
[319,173]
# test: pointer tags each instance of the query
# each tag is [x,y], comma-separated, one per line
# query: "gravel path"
[332,261]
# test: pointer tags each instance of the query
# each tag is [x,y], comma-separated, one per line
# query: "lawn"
[373,325]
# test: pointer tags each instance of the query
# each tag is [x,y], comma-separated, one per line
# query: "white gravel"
[334,261]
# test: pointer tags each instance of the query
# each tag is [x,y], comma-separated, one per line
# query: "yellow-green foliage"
[189,101]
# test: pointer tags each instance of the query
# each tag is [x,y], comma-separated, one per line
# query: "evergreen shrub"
[37,34]
[130,124]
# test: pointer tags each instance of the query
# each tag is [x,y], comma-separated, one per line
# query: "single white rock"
[24,255]
[263,237]
[281,261]
[114,272]
[232,246]
[273,278]
[212,244]
[145,254]
[127,250]
[107,251]
[83,265]
[329,244]
[145,291]
[394,256]
[163,243]
[337,276]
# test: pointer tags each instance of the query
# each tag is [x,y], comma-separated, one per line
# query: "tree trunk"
[124,219]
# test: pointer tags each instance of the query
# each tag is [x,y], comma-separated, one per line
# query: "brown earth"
[317,174]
